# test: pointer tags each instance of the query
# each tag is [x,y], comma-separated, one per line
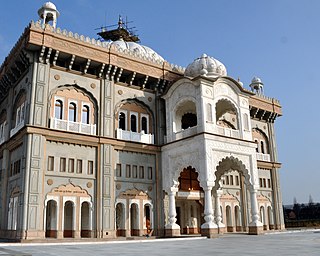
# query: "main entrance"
[189,202]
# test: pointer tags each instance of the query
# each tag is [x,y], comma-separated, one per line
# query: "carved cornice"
[88,48]
[268,165]
[270,105]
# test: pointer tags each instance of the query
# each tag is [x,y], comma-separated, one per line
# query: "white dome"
[48,6]
[137,48]
[205,66]
[256,80]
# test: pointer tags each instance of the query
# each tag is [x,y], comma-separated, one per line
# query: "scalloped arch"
[231,163]
[229,101]
[79,89]
[140,103]
[181,162]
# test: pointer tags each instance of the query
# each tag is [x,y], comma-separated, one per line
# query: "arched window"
[144,124]
[262,147]
[227,114]
[122,121]
[262,141]
[257,148]
[246,122]
[209,112]
[20,114]
[85,114]
[58,109]
[72,112]
[133,123]
[188,120]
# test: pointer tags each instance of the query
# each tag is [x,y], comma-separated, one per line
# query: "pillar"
[90,220]
[209,228]
[255,226]
[75,227]
[218,214]
[172,228]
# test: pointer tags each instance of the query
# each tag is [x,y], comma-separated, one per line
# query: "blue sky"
[277,40]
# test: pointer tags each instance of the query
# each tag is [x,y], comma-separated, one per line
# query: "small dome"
[49,7]
[137,48]
[256,80]
[206,66]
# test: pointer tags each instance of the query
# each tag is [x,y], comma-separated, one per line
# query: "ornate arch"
[22,94]
[231,163]
[230,101]
[263,137]
[175,166]
[78,89]
[140,103]
[181,101]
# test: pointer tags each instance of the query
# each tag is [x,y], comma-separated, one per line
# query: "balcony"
[17,128]
[228,132]
[2,140]
[135,136]
[70,126]
[185,133]
[263,157]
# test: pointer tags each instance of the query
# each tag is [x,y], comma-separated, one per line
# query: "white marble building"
[104,138]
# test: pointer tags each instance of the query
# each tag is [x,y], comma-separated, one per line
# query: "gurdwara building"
[105,138]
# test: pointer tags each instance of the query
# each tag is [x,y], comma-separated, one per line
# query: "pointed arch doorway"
[189,202]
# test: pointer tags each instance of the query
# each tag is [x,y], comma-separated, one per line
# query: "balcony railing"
[228,132]
[263,157]
[17,128]
[70,126]
[135,136]
[2,140]
[185,133]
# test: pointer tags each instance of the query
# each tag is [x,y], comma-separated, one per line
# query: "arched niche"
[185,114]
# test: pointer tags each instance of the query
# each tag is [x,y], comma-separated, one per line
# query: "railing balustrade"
[135,136]
[66,125]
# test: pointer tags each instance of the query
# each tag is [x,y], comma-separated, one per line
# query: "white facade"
[107,139]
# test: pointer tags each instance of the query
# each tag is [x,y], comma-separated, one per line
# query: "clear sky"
[277,40]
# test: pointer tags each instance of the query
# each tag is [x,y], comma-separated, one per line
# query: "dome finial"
[48,12]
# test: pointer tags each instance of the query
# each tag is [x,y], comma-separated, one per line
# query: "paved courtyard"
[293,243]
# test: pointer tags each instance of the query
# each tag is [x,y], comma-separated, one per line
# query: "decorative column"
[218,214]
[60,229]
[75,230]
[255,226]
[209,228]
[90,220]
[172,228]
